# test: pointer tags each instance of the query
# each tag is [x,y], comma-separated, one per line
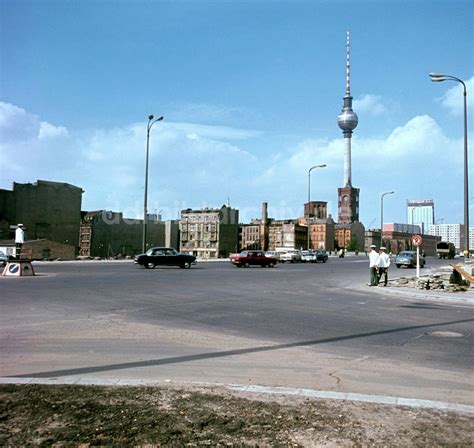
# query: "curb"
[254,389]
[420,294]
[423,294]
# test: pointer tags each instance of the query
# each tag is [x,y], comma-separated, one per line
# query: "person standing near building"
[19,239]
[373,265]
[384,264]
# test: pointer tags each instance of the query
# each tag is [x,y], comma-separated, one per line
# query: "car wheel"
[270,265]
[246,265]
[399,266]
[149,265]
[186,265]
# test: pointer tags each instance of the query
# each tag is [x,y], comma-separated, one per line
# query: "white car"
[293,256]
[308,256]
[273,254]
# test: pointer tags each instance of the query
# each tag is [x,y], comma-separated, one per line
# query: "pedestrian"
[19,239]
[373,266]
[384,264]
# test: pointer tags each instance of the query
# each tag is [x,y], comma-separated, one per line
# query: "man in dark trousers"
[19,239]
[374,266]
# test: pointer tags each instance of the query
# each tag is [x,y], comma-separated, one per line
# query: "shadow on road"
[221,354]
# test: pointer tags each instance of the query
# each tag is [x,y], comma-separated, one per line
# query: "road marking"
[379,399]
[447,334]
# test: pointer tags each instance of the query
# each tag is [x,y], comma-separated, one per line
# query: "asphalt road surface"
[296,325]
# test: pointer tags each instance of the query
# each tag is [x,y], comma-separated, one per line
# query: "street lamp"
[151,121]
[381,215]
[438,77]
[309,195]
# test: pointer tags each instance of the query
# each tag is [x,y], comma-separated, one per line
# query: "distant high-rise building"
[421,212]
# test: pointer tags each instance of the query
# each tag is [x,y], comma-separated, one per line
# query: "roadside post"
[417,240]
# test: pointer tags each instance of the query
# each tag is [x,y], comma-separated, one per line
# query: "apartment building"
[287,234]
[250,236]
[321,227]
[209,233]
[451,233]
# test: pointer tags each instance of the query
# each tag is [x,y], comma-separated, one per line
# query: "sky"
[250,92]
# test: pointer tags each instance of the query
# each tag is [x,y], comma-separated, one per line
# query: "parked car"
[3,258]
[273,254]
[322,255]
[308,256]
[408,258]
[248,258]
[164,256]
[293,256]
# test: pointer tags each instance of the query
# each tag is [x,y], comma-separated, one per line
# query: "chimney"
[264,212]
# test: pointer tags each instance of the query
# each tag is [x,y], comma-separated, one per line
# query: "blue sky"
[250,91]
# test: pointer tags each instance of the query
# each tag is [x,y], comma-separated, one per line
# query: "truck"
[445,250]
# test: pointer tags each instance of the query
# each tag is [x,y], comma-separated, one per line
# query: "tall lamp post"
[381,215]
[438,77]
[309,196]
[151,121]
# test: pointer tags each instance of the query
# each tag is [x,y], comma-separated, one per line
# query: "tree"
[353,244]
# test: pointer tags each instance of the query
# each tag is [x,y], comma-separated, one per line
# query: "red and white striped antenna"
[348,66]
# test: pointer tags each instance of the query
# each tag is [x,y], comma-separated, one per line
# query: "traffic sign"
[417,240]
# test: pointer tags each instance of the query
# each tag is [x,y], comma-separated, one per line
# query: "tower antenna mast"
[348,64]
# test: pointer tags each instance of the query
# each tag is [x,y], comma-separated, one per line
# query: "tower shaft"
[347,162]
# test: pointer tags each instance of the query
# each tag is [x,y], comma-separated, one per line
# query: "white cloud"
[192,165]
[210,113]
[16,124]
[421,135]
[370,105]
[453,101]
[48,131]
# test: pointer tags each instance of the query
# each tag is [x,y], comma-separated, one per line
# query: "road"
[312,326]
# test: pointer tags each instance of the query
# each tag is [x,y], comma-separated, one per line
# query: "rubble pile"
[441,280]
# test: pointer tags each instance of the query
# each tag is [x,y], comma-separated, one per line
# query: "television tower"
[348,203]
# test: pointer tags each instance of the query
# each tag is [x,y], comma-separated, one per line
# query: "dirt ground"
[83,416]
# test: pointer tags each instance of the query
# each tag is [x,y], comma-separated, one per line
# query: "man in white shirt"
[374,266]
[19,239]
[384,264]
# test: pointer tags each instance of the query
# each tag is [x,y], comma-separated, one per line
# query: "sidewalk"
[465,298]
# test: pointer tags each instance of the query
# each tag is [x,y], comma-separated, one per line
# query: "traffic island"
[453,278]
[18,268]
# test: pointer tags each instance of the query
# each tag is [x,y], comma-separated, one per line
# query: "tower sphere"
[347,119]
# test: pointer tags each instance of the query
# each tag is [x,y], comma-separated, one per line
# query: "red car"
[248,258]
